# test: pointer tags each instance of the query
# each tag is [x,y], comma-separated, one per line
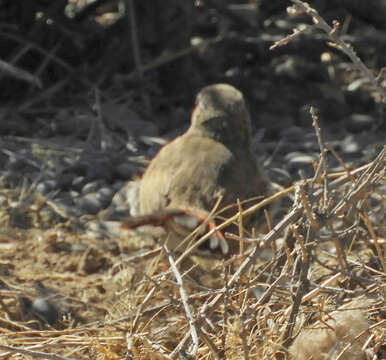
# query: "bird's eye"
[220,124]
[217,125]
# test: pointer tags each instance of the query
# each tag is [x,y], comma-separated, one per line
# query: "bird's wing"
[183,174]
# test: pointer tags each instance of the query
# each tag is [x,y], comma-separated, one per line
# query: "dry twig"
[336,41]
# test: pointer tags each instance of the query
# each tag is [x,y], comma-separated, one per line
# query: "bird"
[213,159]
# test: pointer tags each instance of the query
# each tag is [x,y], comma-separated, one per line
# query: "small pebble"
[280,176]
[299,161]
[40,308]
[357,123]
[45,310]
[105,195]
[46,186]
[91,187]
[78,182]
[350,146]
[74,194]
[90,204]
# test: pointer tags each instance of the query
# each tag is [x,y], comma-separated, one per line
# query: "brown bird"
[212,159]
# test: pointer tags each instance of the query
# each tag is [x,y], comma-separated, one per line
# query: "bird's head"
[221,113]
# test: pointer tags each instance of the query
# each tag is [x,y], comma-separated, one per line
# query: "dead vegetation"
[319,294]
[324,285]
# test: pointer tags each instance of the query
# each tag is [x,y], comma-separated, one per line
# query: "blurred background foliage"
[160,52]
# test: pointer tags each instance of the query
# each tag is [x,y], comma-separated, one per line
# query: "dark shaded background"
[96,82]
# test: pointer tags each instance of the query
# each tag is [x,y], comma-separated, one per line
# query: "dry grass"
[323,285]
[161,306]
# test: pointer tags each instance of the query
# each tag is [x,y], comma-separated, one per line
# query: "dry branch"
[336,41]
